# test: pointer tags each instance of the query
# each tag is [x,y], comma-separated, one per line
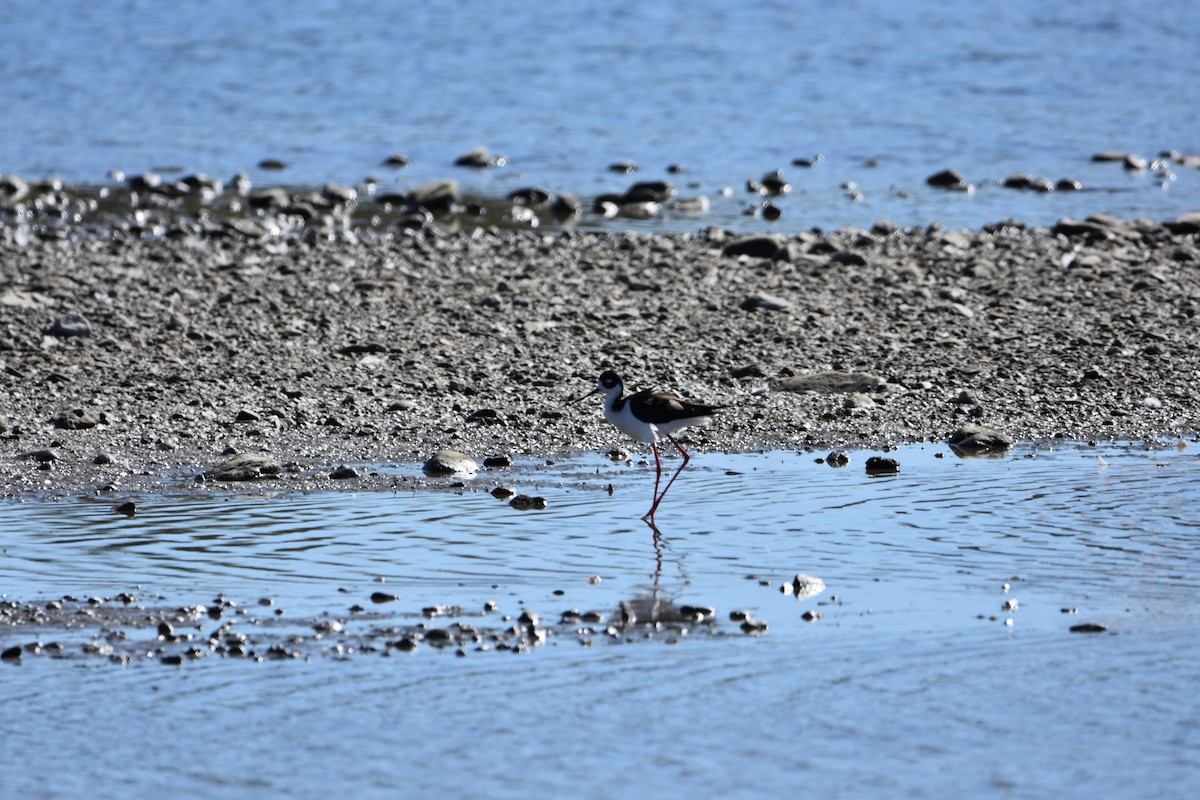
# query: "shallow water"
[910,684]
[729,90]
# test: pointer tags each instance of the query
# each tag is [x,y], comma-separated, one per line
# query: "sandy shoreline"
[161,355]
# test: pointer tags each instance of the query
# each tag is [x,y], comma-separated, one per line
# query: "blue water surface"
[731,91]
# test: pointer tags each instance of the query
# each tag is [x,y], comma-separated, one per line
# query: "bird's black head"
[609,379]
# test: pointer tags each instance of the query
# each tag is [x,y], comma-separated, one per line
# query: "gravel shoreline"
[127,359]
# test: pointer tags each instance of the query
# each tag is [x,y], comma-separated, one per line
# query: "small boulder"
[70,325]
[977,440]
[450,462]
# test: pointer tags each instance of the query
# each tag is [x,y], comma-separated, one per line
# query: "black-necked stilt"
[648,416]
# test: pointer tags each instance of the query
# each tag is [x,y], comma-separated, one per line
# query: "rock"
[1088,627]
[848,258]
[1068,185]
[450,462]
[1184,224]
[625,167]
[39,456]
[146,182]
[948,179]
[832,383]
[878,465]
[837,458]
[343,473]
[128,508]
[748,371]
[1109,155]
[273,164]
[497,462]
[765,302]
[245,467]
[78,419]
[503,492]
[383,597]
[1019,180]
[532,196]
[771,212]
[480,158]
[397,160]
[754,246]
[436,196]
[270,198]
[72,324]
[524,502]
[649,191]
[978,440]
[338,194]
[566,205]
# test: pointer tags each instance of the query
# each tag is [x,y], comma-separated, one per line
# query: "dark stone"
[947,179]
[771,212]
[503,492]
[1088,627]
[1069,185]
[343,473]
[128,508]
[436,196]
[11,654]
[753,246]
[497,462]
[649,191]
[70,325]
[837,458]
[566,205]
[748,371]
[397,160]
[360,349]
[383,597]
[532,196]
[273,164]
[40,456]
[878,465]
[270,198]
[978,440]
[625,167]
[765,302]
[849,258]
[480,158]
[524,502]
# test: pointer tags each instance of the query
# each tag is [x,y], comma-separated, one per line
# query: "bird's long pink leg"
[657,477]
[679,447]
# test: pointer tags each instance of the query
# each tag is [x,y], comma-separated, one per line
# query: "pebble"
[343,473]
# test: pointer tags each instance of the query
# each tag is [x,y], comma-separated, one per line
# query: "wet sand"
[158,345]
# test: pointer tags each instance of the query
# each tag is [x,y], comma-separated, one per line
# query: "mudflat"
[129,358]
